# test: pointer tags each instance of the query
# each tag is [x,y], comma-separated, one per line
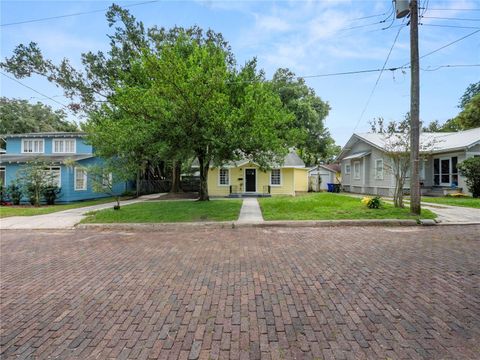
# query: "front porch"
[235,192]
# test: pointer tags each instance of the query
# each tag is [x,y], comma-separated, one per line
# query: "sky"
[309,37]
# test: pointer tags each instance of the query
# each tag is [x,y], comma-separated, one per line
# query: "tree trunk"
[176,172]
[137,190]
[204,166]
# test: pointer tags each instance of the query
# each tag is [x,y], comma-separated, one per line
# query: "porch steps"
[439,191]
[248,195]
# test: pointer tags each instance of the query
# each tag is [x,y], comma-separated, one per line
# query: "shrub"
[372,202]
[457,195]
[50,193]
[15,193]
[3,193]
[470,168]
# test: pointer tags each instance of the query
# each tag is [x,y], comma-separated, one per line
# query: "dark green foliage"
[471,91]
[470,168]
[14,191]
[374,203]
[19,116]
[50,194]
[314,143]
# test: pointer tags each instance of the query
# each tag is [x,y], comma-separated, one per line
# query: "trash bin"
[330,187]
[336,188]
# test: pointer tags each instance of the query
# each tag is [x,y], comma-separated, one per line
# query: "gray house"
[365,163]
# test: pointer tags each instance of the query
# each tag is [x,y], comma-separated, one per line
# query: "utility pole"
[403,8]
[414,111]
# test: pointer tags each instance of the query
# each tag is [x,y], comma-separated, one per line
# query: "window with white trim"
[224,177]
[80,179]
[63,146]
[379,169]
[32,146]
[356,169]
[3,176]
[275,177]
[107,180]
[347,169]
[421,169]
[54,175]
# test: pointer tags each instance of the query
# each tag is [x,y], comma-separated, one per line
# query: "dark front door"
[250,180]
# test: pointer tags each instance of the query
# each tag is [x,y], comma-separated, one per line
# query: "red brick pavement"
[305,293]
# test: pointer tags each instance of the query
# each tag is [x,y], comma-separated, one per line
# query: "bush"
[15,193]
[372,203]
[470,168]
[457,195]
[50,193]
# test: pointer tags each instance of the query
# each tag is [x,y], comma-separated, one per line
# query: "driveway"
[66,219]
[245,293]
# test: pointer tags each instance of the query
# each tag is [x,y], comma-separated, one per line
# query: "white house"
[363,160]
[321,175]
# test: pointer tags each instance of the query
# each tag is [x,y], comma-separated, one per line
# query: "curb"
[236,224]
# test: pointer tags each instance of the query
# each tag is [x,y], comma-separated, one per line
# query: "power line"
[445,46]
[453,9]
[38,92]
[378,80]
[368,17]
[450,26]
[449,18]
[74,14]
[450,66]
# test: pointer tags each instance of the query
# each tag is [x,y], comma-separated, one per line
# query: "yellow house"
[246,178]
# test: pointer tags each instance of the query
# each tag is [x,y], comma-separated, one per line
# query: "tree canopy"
[19,116]
[178,93]
[315,143]
[469,116]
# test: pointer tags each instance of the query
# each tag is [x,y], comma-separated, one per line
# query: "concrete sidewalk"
[66,219]
[250,211]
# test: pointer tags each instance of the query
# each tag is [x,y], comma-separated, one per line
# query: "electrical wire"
[448,18]
[38,92]
[74,14]
[444,46]
[450,26]
[449,66]
[453,9]
[377,81]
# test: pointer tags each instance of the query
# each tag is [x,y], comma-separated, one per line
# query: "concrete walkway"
[250,211]
[454,214]
[66,219]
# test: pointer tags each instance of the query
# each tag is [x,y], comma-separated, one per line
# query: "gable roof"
[291,160]
[441,141]
[329,167]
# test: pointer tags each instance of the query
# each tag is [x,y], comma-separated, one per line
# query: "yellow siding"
[291,180]
[301,180]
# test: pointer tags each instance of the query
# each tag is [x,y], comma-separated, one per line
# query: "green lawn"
[27,210]
[465,202]
[169,211]
[328,206]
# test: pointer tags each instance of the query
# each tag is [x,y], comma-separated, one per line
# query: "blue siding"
[14,145]
[68,192]
[67,178]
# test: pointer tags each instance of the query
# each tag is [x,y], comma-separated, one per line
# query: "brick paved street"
[279,293]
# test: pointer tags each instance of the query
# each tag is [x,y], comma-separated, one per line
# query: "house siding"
[292,180]
[14,145]
[67,177]
[369,184]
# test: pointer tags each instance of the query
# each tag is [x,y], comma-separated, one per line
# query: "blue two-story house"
[60,149]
